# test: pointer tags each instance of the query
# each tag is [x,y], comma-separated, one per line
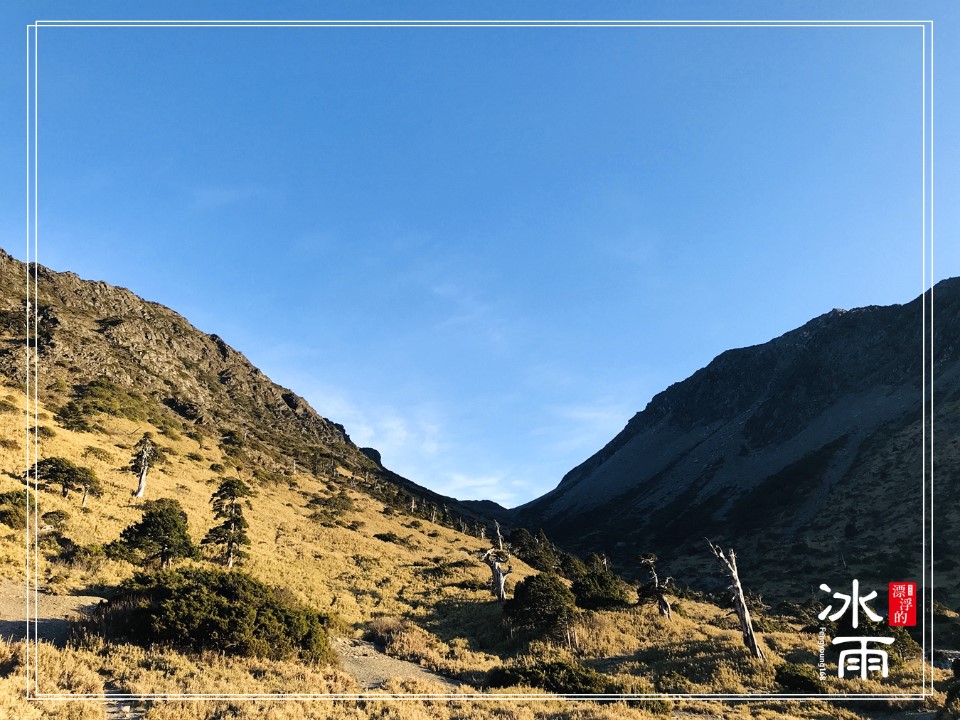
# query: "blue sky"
[483,250]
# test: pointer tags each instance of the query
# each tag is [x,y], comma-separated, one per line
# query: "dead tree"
[141,463]
[496,526]
[729,564]
[655,590]
[495,560]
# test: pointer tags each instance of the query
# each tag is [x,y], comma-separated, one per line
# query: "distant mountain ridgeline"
[805,453]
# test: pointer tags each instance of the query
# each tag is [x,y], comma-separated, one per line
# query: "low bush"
[326,510]
[229,612]
[541,604]
[599,589]
[794,678]
[56,519]
[98,453]
[390,537]
[558,676]
[13,509]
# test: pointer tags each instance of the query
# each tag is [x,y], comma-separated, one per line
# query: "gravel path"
[372,668]
[52,612]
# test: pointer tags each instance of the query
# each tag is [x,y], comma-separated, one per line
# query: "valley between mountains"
[805,454]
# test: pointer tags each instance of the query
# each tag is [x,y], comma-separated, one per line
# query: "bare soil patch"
[372,668]
[51,613]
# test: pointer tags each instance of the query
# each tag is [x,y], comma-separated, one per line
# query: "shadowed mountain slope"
[805,453]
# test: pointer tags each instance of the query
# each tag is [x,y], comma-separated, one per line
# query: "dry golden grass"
[425,596]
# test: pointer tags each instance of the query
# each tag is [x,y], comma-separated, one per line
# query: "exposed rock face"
[92,332]
[806,450]
[373,454]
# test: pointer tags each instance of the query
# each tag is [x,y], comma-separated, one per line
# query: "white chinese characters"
[860,660]
[853,600]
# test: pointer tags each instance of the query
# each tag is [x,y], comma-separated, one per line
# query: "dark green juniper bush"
[160,536]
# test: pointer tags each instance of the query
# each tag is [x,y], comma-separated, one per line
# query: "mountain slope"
[804,450]
[347,538]
[104,348]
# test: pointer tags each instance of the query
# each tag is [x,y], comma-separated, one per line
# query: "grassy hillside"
[415,586]
[341,547]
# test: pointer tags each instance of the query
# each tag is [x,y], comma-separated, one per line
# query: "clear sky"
[483,250]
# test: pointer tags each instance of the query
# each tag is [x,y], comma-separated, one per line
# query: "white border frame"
[32,358]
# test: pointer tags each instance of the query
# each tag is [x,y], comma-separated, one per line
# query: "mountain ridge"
[89,331]
[788,427]
[761,448]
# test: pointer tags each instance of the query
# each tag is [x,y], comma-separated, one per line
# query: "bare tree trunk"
[141,462]
[729,563]
[498,582]
[657,589]
[663,605]
[142,486]
[496,526]
[86,491]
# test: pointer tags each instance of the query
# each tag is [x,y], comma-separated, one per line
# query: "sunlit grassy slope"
[422,591]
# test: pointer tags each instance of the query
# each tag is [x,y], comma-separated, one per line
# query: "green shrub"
[227,612]
[13,509]
[390,537]
[540,604]
[794,678]
[600,589]
[84,554]
[217,467]
[72,417]
[558,676]
[8,407]
[159,536]
[104,396]
[195,456]
[69,477]
[326,510]
[56,519]
[265,477]
[98,453]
